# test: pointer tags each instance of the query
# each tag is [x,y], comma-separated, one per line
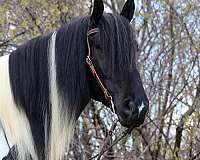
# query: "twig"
[107,140]
[13,38]
[123,135]
[33,18]
[90,8]
[196,156]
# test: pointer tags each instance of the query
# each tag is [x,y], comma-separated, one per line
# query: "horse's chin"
[129,122]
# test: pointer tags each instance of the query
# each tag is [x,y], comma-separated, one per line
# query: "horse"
[47,82]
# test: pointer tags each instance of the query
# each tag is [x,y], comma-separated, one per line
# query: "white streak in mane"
[13,120]
[61,127]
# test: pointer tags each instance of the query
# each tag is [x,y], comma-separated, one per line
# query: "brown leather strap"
[90,32]
[107,94]
[105,91]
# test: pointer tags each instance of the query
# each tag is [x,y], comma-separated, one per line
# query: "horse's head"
[112,50]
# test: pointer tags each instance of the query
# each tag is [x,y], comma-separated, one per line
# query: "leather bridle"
[107,94]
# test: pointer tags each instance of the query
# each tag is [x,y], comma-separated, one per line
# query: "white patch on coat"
[61,126]
[14,121]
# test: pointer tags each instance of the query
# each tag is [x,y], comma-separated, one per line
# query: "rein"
[89,62]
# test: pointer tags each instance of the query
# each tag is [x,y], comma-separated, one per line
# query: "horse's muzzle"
[131,115]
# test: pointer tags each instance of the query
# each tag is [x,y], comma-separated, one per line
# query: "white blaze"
[141,108]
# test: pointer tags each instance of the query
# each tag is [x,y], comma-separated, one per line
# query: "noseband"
[107,94]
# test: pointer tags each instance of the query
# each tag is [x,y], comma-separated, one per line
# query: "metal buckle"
[88,61]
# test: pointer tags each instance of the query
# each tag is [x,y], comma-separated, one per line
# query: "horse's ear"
[128,10]
[97,11]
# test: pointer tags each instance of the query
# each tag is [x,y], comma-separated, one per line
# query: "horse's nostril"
[132,106]
[128,112]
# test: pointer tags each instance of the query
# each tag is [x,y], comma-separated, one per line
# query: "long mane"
[48,81]
[47,77]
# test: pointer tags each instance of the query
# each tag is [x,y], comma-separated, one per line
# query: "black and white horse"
[46,83]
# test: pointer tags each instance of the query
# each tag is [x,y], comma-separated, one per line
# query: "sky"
[3,146]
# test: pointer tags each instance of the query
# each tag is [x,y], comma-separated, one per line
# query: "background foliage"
[169,62]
